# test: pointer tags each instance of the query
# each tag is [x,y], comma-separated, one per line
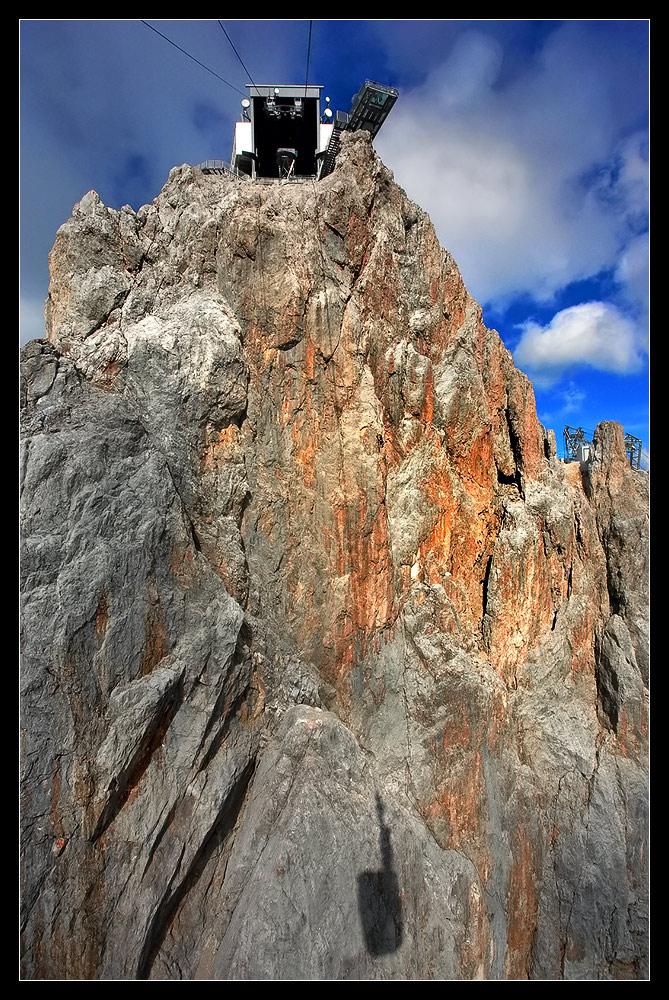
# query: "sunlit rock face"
[331,670]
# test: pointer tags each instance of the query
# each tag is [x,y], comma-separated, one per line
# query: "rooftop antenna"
[327,113]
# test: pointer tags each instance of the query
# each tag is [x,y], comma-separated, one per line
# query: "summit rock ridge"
[330,668]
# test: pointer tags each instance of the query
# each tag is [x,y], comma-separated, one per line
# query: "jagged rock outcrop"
[330,668]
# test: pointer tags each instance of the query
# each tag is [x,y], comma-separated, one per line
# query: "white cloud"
[572,398]
[531,184]
[472,69]
[593,333]
[633,176]
[632,272]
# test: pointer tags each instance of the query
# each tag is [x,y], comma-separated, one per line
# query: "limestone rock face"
[331,670]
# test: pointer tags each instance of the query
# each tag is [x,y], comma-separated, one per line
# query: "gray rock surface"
[330,669]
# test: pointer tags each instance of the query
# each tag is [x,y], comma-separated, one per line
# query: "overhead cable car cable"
[236,52]
[226,82]
[306,81]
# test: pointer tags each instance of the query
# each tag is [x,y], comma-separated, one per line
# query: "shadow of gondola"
[379,898]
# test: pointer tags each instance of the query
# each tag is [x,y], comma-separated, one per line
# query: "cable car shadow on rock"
[379,899]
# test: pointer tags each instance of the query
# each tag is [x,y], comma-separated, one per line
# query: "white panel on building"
[324,133]
[243,138]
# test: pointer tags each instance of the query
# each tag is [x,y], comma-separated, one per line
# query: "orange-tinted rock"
[277,462]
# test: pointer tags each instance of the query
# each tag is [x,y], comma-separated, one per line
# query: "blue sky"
[526,141]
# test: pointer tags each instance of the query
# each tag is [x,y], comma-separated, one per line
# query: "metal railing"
[220,167]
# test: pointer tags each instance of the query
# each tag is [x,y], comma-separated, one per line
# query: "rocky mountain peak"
[331,669]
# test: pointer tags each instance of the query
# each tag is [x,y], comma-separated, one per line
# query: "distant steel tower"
[633,449]
[576,447]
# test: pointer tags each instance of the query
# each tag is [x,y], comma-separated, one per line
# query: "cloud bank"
[536,181]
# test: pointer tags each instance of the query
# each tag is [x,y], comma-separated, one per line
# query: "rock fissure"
[222,827]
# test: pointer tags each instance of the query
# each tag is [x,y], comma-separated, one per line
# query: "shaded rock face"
[330,669]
